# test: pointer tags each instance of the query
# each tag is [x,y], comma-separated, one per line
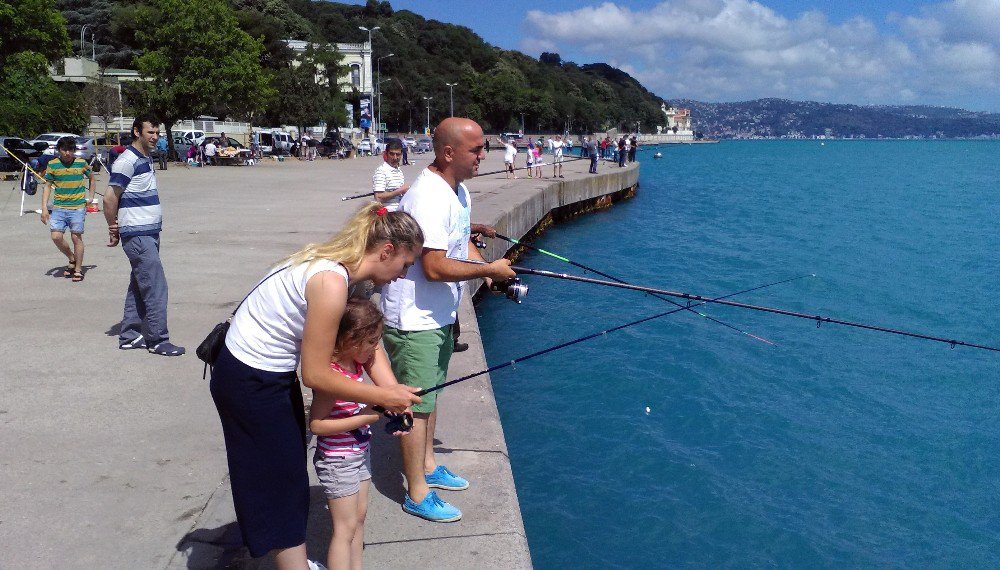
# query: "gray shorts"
[341,475]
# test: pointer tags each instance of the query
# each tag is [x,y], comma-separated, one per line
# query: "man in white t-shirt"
[387,183]
[210,153]
[421,308]
[509,157]
[557,157]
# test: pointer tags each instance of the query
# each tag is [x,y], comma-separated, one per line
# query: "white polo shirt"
[414,303]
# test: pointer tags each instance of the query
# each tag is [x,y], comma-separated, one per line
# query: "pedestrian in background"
[70,181]
[132,209]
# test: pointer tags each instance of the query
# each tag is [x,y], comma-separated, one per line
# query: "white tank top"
[266,332]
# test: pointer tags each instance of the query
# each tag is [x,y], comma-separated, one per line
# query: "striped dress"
[69,183]
[354,441]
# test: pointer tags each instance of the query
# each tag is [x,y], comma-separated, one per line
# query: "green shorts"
[420,358]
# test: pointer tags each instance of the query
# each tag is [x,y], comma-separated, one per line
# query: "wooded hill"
[495,86]
[784,118]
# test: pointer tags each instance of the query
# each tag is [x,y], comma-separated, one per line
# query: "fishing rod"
[721,301]
[617,280]
[403,422]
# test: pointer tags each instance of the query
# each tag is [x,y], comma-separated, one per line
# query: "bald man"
[420,309]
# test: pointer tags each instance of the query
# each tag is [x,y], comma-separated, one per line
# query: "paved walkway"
[115,459]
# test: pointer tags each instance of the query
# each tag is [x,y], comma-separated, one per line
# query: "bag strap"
[255,288]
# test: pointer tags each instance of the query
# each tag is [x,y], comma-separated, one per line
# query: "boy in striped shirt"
[64,181]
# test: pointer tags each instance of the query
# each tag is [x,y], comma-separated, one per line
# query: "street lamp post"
[378,83]
[428,100]
[371,52]
[451,96]
[522,124]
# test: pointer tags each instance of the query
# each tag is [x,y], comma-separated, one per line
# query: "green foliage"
[304,95]
[32,102]
[33,36]
[198,61]
[32,26]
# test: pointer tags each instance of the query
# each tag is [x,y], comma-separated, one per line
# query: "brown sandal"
[77,276]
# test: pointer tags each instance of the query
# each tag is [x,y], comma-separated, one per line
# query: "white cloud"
[947,53]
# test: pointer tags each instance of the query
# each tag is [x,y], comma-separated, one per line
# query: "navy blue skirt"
[263,421]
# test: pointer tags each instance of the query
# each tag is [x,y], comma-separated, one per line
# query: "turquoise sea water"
[835,447]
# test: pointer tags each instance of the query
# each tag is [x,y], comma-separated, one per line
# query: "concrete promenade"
[115,459]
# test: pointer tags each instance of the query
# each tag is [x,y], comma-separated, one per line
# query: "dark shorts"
[263,421]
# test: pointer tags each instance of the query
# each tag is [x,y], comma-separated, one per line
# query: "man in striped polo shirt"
[132,209]
[64,181]
[387,183]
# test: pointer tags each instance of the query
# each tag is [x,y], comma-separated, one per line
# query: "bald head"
[452,130]
[458,148]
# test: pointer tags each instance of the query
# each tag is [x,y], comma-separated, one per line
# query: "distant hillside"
[783,118]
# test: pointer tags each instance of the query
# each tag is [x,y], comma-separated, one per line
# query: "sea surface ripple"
[835,446]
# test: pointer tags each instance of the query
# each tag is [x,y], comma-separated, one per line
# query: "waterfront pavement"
[115,459]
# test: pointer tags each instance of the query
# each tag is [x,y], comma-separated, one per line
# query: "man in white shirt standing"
[557,157]
[421,308]
[387,183]
[509,156]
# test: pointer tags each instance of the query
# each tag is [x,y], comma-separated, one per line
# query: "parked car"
[51,139]
[334,145]
[21,149]
[86,148]
[423,145]
[366,147]
[409,141]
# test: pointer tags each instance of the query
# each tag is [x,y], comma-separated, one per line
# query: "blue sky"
[848,51]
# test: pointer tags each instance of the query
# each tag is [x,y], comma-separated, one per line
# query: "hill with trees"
[793,119]
[495,86]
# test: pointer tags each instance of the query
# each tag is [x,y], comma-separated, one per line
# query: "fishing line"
[403,422]
[616,279]
[692,297]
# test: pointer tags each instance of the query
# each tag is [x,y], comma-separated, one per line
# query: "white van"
[273,141]
[194,137]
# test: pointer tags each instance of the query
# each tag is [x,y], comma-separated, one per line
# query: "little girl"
[342,460]
[537,152]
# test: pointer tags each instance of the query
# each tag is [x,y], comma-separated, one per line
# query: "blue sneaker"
[443,478]
[432,508]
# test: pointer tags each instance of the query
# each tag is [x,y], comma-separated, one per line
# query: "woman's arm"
[326,297]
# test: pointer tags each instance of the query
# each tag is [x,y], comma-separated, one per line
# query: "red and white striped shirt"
[354,441]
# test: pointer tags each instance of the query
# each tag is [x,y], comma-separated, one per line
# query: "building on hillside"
[678,129]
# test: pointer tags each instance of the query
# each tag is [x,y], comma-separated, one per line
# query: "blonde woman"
[292,318]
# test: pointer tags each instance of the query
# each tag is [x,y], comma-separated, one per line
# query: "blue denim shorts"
[62,220]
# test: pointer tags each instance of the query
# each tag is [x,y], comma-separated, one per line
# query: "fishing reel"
[512,288]
[395,422]
[477,239]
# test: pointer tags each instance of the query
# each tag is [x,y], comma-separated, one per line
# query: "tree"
[550,58]
[308,88]
[100,100]
[197,60]
[34,36]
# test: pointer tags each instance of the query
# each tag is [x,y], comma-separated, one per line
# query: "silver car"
[51,139]
[85,148]
[423,145]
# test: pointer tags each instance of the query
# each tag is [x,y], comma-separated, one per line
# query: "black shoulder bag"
[208,350]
